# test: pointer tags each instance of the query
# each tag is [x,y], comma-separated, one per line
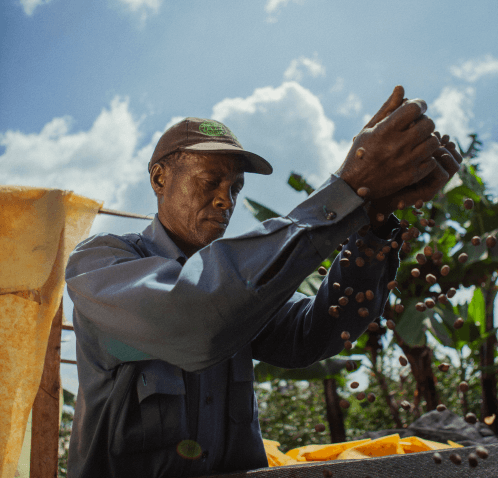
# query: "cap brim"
[255,164]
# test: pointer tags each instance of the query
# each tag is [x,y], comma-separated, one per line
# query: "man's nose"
[224,198]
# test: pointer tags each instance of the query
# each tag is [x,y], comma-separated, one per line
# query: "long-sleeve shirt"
[165,343]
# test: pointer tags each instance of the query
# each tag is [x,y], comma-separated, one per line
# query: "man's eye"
[212,183]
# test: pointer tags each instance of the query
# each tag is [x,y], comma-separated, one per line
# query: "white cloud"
[30,5]
[288,126]
[472,70]
[488,164]
[338,86]
[454,109]
[273,7]
[351,106]
[142,7]
[311,66]
[100,163]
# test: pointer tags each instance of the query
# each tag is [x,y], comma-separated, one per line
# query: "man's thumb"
[392,103]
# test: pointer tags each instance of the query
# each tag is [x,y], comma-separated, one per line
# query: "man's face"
[196,204]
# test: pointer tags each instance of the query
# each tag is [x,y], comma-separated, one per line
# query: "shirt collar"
[159,243]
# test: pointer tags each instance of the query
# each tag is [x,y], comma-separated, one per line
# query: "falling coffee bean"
[361,396]
[490,420]
[386,249]
[431,279]
[444,367]
[360,297]
[363,192]
[464,387]
[420,306]
[414,232]
[451,292]
[343,301]
[476,241]
[437,256]
[392,285]
[394,245]
[442,298]
[420,258]
[344,262]
[373,326]
[437,458]
[348,345]
[445,270]
[369,295]
[334,311]
[344,404]
[399,308]
[415,272]
[441,407]
[463,257]
[390,325]
[345,241]
[359,261]
[473,461]
[430,303]
[345,335]
[371,397]
[380,217]
[369,252]
[428,251]
[404,223]
[471,418]
[403,361]
[336,285]
[468,203]
[380,256]
[349,366]
[419,204]
[322,271]
[458,324]
[406,236]
[339,248]
[401,205]
[405,405]
[348,290]
[363,312]
[359,243]
[406,248]
[432,223]
[456,458]
[491,241]
[320,427]
[482,452]
[424,222]
[347,253]
[354,385]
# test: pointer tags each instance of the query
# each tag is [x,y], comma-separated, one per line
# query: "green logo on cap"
[212,128]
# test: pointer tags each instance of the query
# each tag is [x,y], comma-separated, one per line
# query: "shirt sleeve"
[202,314]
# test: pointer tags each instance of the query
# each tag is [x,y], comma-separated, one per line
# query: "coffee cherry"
[334,311]
[345,335]
[394,245]
[403,361]
[371,397]
[432,223]
[344,404]
[463,257]
[373,326]
[369,295]
[419,204]
[445,270]
[360,262]
[415,272]
[347,253]
[420,306]
[406,248]
[464,387]
[456,458]
[343,301]
[442,298]
[348,290]
[401,204]
[363,312]
[369,252]
[354,385]
[476,241]
[444,367]
[420,258]
[386,249]
[405,405]
[344,262]
[468,203]
[441,407]
[322,271]
[424,222]
[360,297]
[392,285]
[363,192]
[359,243]
[451,292]
[437,458]
[482,452]
[458,324]
[473,461]
[336,285]
[471,418]
[491,241]
[320,427]
[380,256]
[399,308]
[348,345]
[390,325]
[380,217]
[361,396]
[431,279]
[430,303]
[428,251]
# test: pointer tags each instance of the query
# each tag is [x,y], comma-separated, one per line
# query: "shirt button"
[209,399]
[329,215]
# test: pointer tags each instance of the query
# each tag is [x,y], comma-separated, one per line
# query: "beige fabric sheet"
[39,227]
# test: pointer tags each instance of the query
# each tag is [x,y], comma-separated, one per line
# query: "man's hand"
[394,150]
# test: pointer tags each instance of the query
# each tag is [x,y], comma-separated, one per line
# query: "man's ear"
[156,177]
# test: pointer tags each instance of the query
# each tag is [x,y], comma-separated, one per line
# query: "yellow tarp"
[360,449]
[39,227]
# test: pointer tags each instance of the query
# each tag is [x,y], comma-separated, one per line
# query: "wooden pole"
[46,409]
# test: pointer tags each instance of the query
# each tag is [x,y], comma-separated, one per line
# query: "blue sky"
[87,87]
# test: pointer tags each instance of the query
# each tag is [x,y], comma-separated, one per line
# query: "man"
[168,321]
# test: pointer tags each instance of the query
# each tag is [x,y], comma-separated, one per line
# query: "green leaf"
[260,212]
[297,182]
[311,284]
[410,326]
[439,332]
[477,310]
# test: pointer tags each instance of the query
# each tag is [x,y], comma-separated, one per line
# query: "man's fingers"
[392,103]
[452,149]
[420,131]
[425,149]
[401,119]
[447,161]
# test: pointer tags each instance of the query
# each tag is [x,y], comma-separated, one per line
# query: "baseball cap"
[206,136]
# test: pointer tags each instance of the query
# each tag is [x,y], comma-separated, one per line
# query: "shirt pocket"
[154,416]
[242,400]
